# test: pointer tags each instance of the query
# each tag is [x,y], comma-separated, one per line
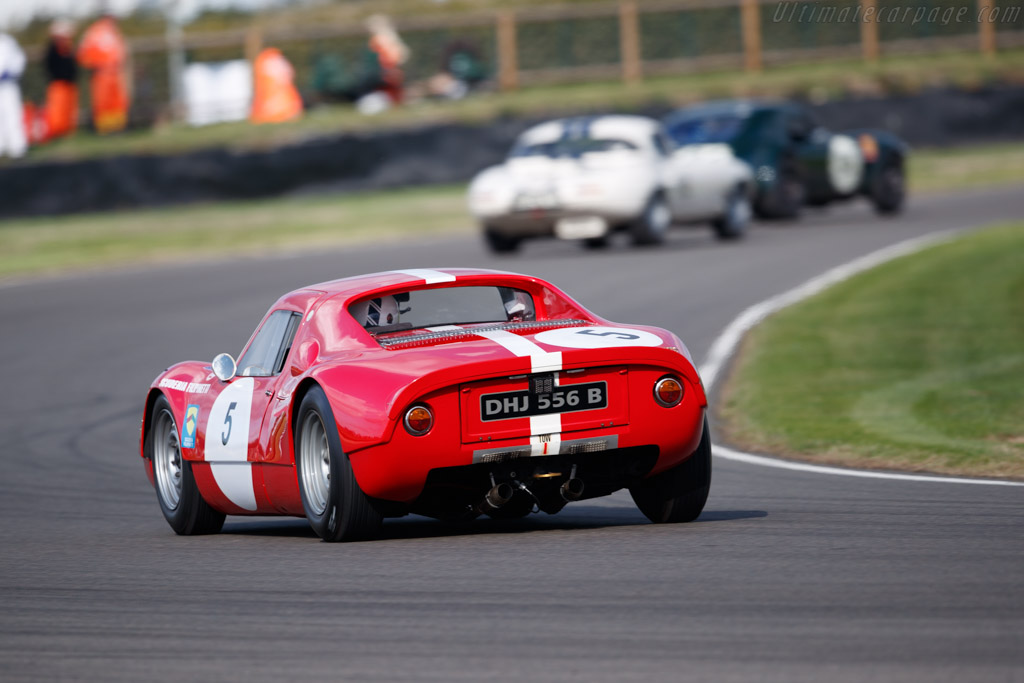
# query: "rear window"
[707,129]
[439,308]
[572,147]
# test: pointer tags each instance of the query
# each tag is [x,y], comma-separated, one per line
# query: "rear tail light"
[418,420]
[668,391]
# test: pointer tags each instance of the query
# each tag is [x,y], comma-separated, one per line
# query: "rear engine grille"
[451,335]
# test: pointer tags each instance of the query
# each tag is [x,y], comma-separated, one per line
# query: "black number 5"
[617,335]
[224,436]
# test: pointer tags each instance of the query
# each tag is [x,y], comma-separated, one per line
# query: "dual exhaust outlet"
[500,494]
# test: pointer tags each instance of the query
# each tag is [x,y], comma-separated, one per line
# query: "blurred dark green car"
[796,161]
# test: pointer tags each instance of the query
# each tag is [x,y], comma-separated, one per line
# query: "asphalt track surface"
[787,576]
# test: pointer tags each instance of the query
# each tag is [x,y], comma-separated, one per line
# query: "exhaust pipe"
[572,489]
[498,496]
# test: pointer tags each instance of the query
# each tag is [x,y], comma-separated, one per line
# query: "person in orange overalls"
[103,49]
[391,53]
[275,98]
[61,109]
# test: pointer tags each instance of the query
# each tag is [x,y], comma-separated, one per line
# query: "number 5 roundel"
[598,337]
[227,443]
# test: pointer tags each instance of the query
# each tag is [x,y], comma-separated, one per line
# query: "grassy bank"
[821,80]
[915,365]
[226,228]
[95,240]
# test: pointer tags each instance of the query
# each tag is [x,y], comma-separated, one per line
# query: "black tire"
[596,242]
[678,494]
[888,191]
[500,243]
[786,197]
[190,514]
[653,224]
[732,224]
[340,511]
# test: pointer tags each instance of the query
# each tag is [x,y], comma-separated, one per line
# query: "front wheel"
[654,223]
[732,224]
[335,506]
[889,189]
[180,501]
[786,197]
[678,494]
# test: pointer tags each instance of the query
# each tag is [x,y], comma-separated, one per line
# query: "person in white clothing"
[12,117]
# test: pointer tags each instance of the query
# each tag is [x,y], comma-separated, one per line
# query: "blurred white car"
[584,178]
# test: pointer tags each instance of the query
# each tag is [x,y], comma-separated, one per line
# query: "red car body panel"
[370,386]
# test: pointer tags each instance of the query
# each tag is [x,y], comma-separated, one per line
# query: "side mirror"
[224,367]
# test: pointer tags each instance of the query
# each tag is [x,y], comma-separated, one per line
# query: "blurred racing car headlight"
[418,420]
[668,391]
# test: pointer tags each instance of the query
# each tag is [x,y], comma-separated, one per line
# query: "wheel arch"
[300,393]
[147,423]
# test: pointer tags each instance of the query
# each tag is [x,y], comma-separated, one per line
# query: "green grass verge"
[226,228]
[915,365]
[934,170]
[818,81]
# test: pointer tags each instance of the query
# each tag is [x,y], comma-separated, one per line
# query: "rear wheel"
[654,223]
[889,189]
[596,242]
[180,501]
[732,224]
[679,494]
[335,506]
[786,197]
[500,243]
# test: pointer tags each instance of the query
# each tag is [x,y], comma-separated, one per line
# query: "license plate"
[532,201]
[572,398]
[581,228]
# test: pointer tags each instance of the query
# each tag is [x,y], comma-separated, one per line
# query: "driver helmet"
[377,312]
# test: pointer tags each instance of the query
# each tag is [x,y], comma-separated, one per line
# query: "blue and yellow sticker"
[188,430]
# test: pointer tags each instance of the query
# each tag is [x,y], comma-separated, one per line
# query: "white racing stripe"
[540,360]
[546,424]
[725,345]
[430,277]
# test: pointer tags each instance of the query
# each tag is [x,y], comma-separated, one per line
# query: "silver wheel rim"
[167,459]
[658,217]
[315,463]
[741,212]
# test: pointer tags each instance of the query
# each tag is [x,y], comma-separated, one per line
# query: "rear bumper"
[398,471]
[541,223]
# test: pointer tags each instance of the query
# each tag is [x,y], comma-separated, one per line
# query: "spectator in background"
[103,49]
[391,54]
[274,98]
[462,69]
[62,72]
[12,115]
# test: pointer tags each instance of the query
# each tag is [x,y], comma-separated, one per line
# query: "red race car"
[446,393]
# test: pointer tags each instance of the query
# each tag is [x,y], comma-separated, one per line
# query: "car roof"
[737,107]
[631,128]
